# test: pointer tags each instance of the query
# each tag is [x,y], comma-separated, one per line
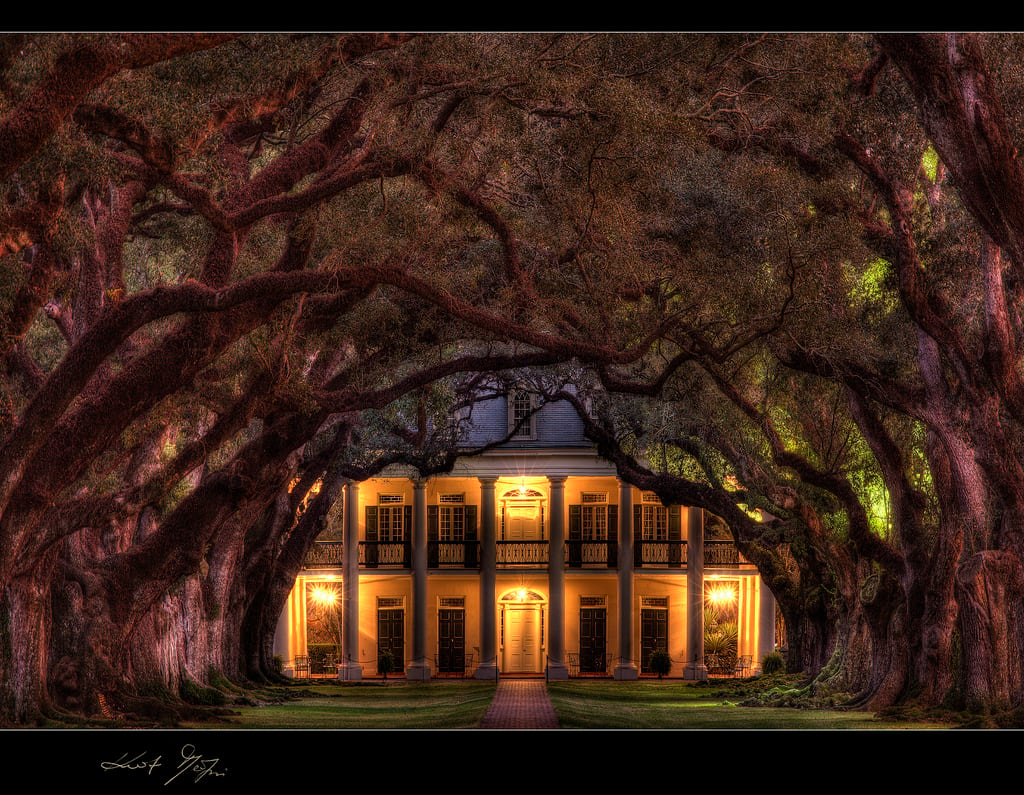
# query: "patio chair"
[301,667]
[743,664]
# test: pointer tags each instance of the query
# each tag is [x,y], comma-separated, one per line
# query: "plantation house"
[532,558]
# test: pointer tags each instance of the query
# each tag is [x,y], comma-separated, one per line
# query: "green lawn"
[372,705]
[580,704]
[675,704]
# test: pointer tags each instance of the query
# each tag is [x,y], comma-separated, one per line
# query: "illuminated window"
[451,517]
[654,523]
[594,516]
[452,523]
[390,524]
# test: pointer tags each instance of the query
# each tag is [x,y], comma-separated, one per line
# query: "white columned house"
[532,559]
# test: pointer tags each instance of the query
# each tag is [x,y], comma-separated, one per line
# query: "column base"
[350,672]
[418,672]
[558,671]
[626,672]
[486,671]
[696,671]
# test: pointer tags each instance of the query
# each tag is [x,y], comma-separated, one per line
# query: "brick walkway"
[520,704]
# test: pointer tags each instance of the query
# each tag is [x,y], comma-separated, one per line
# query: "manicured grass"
[371,705]
[579,704]
[675,704]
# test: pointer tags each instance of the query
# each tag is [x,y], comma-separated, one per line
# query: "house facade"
[532,558]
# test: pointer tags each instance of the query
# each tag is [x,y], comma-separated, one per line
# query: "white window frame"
[451,523]
[653,523]
[521,405]
[390,518]
[593,516]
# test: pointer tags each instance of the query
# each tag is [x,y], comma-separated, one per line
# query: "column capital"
[488,480]
[419,483]
[557,480]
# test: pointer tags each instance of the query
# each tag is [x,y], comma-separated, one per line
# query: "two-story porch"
[518,573]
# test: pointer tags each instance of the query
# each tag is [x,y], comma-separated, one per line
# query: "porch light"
[324,596]
[721,595]
[521,594]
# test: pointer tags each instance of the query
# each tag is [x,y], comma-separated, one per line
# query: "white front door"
[522,521]
[522,639]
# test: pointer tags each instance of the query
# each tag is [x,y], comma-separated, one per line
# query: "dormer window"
[521,417]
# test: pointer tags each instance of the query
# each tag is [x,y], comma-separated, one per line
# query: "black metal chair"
[301,665]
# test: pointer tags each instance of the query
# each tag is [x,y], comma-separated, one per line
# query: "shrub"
[773,663]
[385,663]
[661,663]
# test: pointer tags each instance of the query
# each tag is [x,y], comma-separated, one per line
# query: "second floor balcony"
[525,554]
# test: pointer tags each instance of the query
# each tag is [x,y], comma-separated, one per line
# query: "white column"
[766,621]
[557,668]
[625,668]
[488,667]
[695,667]
[350,669]
[419,668]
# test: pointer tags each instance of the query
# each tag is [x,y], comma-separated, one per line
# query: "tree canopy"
[783,271]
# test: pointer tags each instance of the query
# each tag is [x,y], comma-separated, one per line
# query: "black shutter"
[613,536]
[433,512]
[472,541]
[575,535]
[675,535]
[371,522]
[371,536]
[638,541]
[407,537]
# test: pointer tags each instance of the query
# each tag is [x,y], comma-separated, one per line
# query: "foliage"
[319,653]
[385,663]
[660,663]
[194,693]
[234,261]
[773,663]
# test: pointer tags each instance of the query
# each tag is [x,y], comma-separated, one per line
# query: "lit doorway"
[522,632]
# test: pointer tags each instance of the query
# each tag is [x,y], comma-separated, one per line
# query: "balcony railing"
[722,553]
[579,554]
[453,554]
[670,554]
[591,554]
[385,554]
[521,553]
[324,554]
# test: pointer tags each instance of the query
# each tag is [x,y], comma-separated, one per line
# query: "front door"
[523,520]
[653,635]
[391,636]
[593,637]
[451,641]
[522,639]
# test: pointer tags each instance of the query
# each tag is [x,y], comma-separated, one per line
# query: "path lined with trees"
[783,273]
